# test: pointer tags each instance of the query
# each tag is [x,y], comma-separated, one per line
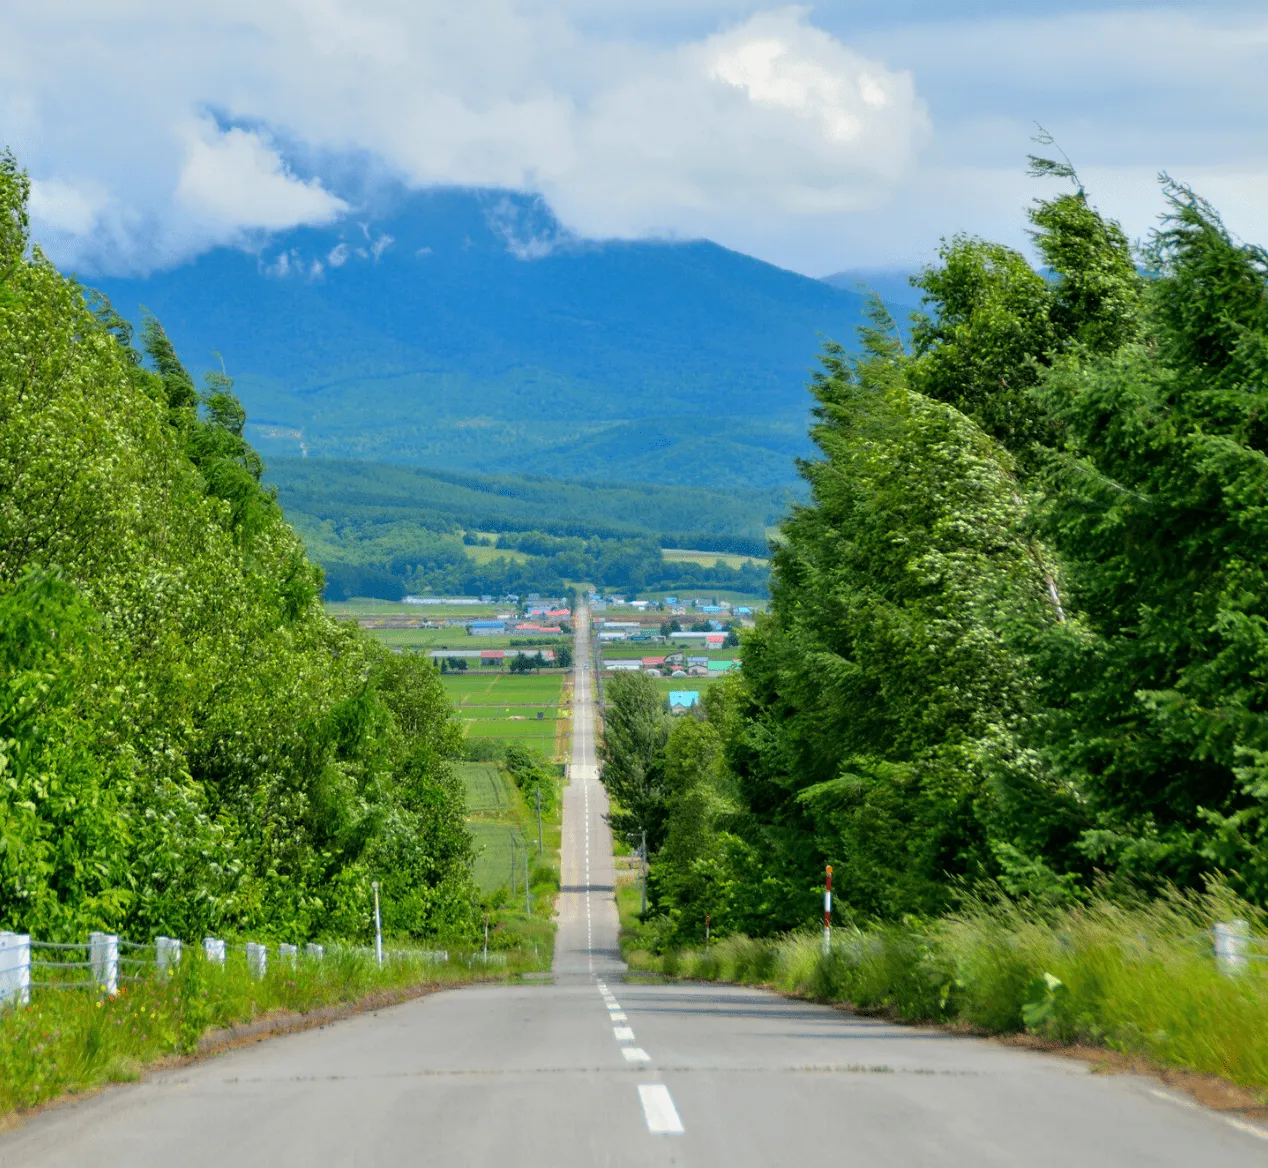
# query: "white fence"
[105,960]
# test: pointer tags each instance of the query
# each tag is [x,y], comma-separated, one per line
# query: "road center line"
[659,1110]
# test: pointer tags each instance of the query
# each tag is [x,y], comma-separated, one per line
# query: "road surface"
[589,1071]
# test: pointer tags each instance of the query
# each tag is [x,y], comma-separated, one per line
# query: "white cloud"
[802,138]
[770,116]
[235,179]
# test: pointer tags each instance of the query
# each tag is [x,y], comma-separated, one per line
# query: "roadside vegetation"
[1012,683]
[189,745]
[74,1040]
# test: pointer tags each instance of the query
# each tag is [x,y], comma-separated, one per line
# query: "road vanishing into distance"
[590,1071]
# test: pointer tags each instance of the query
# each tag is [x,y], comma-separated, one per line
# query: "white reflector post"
[257,959]
[1232,946]
[167,954]
[315,951]
[15,969]
[103,952]
[288,954]
[214,949]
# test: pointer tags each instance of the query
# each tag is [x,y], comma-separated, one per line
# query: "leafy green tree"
[635,729]
[1155,499]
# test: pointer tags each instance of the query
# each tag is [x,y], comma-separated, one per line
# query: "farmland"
[505,707]
[708,559]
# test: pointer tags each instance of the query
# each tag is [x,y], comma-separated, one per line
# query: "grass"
[74,1040]
[1137,979]
[504,688]
[709,559]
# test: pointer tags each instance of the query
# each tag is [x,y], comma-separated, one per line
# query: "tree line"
[187,743]
[1018,637]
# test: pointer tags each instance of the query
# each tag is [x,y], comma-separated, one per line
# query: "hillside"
[464,330]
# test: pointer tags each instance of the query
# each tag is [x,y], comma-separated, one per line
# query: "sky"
[839,135]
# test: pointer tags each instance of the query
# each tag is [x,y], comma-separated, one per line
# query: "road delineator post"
[827,911]
[378,925]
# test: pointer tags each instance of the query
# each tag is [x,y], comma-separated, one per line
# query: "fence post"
[289,954]
[103,953]
[257,959]
[214,950]
[167,954]
[1232,946]
[317,952]
[15,969]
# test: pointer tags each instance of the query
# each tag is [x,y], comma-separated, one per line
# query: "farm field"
[483,555]
[508,707]
[708,559]
[502,826]
[458,638]
[362,607]
[624,651]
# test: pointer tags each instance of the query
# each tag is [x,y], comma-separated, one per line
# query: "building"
[487,628]
[715,640]
[656,662]
[681,700]
[722,666]
[492,656]
[619,664]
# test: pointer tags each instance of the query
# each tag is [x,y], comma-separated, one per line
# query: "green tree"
[635,729]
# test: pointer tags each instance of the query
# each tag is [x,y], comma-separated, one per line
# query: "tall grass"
[75,1039]
[1140,979]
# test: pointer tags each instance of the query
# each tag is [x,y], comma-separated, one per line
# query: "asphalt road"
[591,1071]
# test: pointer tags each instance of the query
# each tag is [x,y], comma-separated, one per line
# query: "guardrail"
[108,960]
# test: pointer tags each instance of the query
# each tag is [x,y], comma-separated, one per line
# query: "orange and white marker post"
[827,912]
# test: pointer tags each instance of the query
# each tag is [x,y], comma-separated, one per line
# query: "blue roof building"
[683,699]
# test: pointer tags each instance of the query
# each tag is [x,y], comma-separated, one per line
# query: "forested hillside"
[1019,634]
[385,531]
[465,329]
[187,743]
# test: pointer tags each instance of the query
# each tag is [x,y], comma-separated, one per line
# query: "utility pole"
[538,792]
[512,863]
[528,895]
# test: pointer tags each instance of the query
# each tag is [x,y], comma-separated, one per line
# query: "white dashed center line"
[622,1034]
[617,1016]
[635,1054]
[659,1110]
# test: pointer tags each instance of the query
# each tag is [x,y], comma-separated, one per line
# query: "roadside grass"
[75,1040]
[1138,979]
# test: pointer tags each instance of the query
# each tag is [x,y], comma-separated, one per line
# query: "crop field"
[708,559]
[509,707]
[503,828]
[505,689]
[483,555]
[622,651]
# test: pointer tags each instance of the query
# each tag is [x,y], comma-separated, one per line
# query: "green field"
[624,651]
[505,707]
[708,559]
[362,607]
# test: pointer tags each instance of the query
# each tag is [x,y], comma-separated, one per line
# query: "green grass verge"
[73,1040]
[1141,980]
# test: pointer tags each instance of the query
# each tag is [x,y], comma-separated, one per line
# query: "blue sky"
[820,137]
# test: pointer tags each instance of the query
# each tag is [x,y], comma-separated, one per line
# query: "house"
[487,628]
[698,661]
[681,700]
[715,640]
[492,656]
[675,659]
[743,610]
[653,661]
[697,671]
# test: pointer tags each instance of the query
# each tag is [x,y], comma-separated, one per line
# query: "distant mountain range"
[466,330]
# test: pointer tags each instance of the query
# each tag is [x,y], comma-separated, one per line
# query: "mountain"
[465,330]
[892,285]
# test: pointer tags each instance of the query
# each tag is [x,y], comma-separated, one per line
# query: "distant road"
[592,1072]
